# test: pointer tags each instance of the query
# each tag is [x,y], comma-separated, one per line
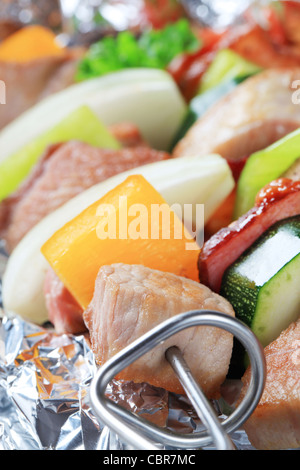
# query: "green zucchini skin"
[263,285]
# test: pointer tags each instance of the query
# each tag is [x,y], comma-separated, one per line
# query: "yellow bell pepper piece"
[131,224]
[30,43]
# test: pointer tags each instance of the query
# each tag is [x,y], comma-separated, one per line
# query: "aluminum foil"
[85,19]
[44,394]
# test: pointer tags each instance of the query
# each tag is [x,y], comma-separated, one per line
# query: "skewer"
[141,434]
[202,406]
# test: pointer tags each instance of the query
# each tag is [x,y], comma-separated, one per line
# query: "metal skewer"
[142,434]
[202,406]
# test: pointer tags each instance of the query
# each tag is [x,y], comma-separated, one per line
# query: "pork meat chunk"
[257,113]
[130,300]
[275,423]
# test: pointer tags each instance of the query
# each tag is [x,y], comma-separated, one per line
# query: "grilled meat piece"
[275,423]
[130,300]
[254,115]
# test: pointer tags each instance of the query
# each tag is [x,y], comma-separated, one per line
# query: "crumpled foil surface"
[44,399]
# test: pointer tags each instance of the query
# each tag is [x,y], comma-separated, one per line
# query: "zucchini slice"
[263,285]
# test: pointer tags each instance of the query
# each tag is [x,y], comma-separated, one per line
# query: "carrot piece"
[122,227]
[30,43]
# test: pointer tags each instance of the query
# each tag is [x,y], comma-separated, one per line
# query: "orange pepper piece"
[30,43]
[131,224]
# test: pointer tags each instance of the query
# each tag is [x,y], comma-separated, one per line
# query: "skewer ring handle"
[141,434]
